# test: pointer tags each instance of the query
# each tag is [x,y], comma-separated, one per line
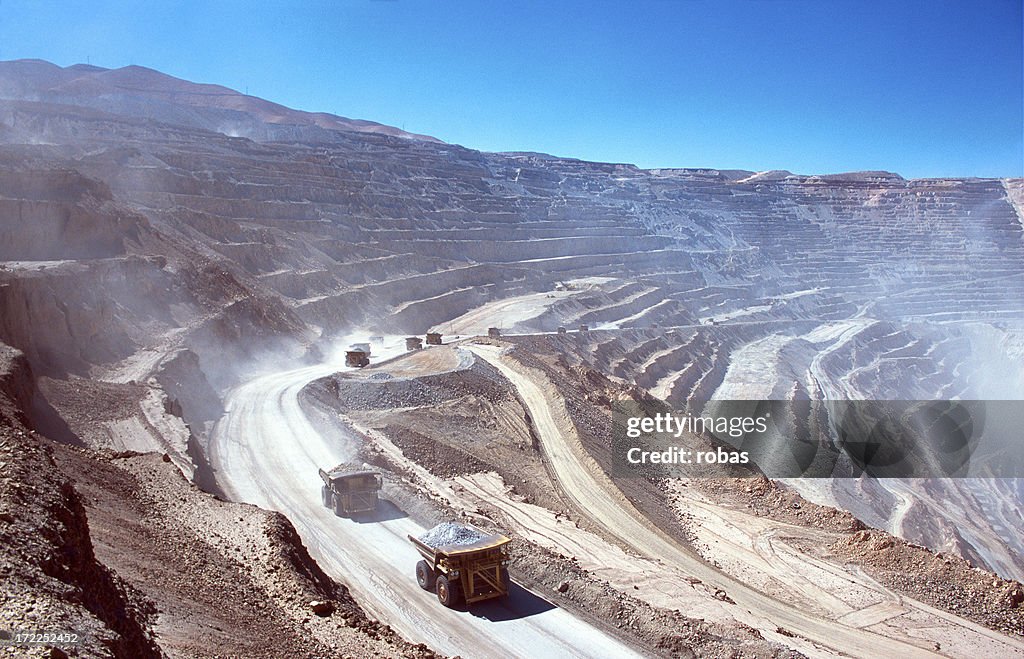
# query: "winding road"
[266,452]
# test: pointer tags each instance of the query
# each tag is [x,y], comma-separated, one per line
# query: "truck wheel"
[447,591]
[424,576]
[339,506]
[327,496]
[506,581]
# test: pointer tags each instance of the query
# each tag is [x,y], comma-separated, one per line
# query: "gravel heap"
[451,533]
[382,391]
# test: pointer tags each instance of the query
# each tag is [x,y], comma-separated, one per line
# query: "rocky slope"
[121,551]
[52,578]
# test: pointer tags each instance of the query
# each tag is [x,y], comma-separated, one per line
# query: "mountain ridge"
[43,80]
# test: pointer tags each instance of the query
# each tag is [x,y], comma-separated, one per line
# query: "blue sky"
[924,88]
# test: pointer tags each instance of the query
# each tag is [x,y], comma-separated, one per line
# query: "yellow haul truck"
[461,563]
[350,490]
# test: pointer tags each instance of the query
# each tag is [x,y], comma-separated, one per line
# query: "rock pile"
[447,534]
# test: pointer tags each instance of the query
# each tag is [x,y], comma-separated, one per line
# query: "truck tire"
[447,591]
[506,581]
[425,576]
[327,496]
[339,506]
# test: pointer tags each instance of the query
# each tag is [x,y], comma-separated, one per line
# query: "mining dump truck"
[350,490]
[357,358]
[462,563]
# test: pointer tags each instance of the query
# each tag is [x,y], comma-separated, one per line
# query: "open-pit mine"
[250,357]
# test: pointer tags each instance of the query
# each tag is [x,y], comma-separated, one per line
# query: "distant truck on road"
[462,563]
[350,490]
[357,358]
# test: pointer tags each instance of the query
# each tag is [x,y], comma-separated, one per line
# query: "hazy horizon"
[921,89]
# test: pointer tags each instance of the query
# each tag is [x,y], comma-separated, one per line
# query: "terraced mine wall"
[134,233]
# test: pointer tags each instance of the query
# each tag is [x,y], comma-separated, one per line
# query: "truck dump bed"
[492,541]
[346,473]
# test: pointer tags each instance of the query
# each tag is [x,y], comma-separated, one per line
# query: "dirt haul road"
[596,496]
[267,453]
